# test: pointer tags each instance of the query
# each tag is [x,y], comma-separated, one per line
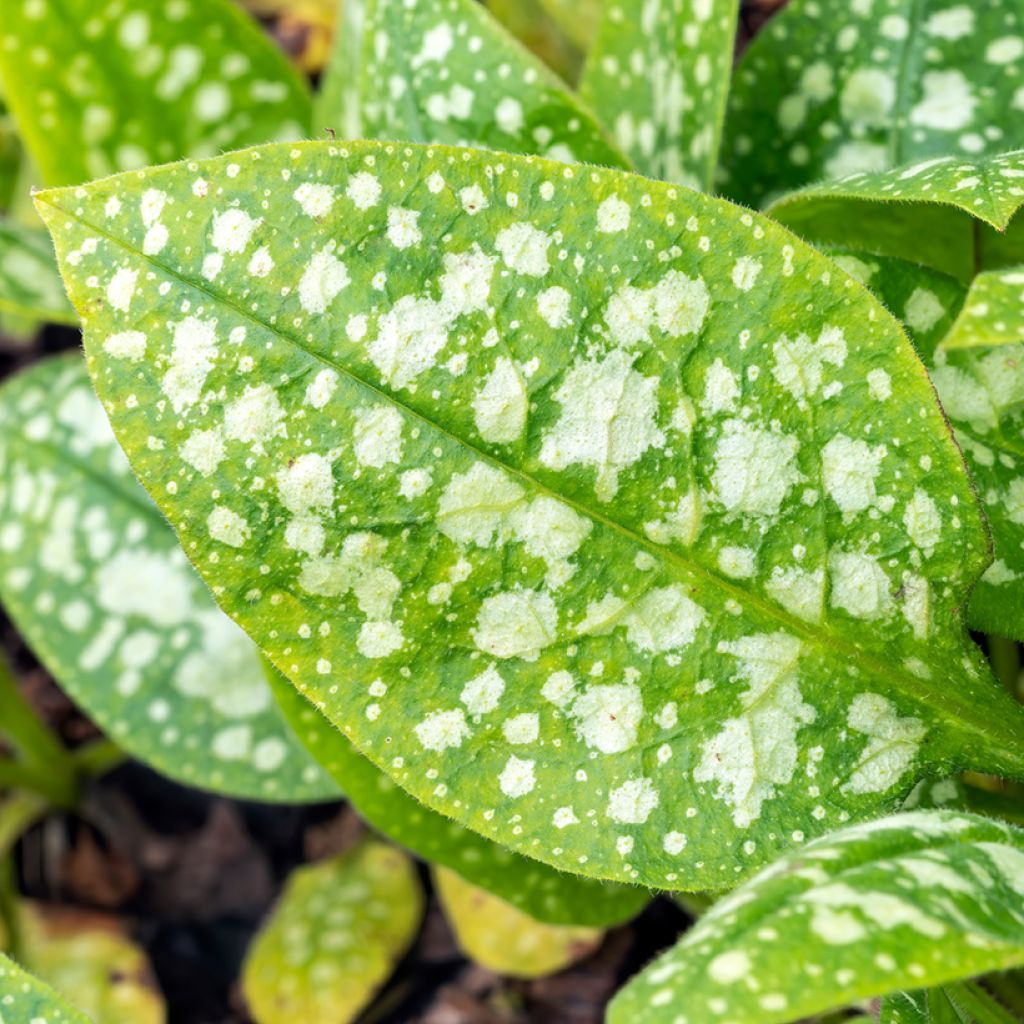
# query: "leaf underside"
[545,894]
[334,937]
[913,900]
[91,574]
[542,488]
[826,90]
[104,86]
[422,80]
[24,1000]
[659,76]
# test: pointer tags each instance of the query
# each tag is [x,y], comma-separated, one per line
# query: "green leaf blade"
[29,283]
[25,1000]
[430,461]
[659,75]
[91,574]
[334,937]
[427,54]
[549,896]
[824,92]
[104,87]
[916,899]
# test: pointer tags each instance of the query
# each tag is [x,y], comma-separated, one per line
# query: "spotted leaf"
[25,1000]
[334,937]
[659,75]
[553,897]
[29,282]
[92,576]
[954,215]
[495,935]
[950,1004]
[827,90]
[633,502]
[107,85]
[422,80]
[533,25]
[913,900]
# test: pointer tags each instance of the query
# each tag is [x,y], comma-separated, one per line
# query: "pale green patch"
[337,103]
[92,576]
[553,897]
[914,900]
[25,1000]
[29,282]
[925,212]
[658,74]
[107,86]
[430,567]
[444,71]
[830,90]
[334,937]
[495,935]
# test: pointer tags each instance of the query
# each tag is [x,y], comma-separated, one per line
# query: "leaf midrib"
[918,690]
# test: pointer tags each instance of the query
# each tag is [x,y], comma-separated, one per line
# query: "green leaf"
[29,282]
[979,374]
[334,937]
[579,19]
[826,90]
[94,580]
[542,34]
[25,1000]
[913,900]
[927,212]
[495,935]
[659,76]
[553,897]
[951,1004]
[598,493]
[337,105]
[108,85]
[421,81]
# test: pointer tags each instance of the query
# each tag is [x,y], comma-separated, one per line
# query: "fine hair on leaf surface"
[411,444]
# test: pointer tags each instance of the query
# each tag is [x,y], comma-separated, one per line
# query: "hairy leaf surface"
[108,85]
[422,80]
[26,1000]
[913,900]
[334,937]
[91,574]
[927,212]
[608,520]
[659,75]
[554,897]
[502,938]
[826,90]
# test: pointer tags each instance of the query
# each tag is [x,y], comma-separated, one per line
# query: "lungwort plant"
[602,537]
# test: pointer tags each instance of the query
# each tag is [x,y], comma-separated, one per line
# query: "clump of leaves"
[582,514]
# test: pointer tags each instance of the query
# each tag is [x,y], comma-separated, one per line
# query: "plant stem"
[98,757]
[1004,655]
[10,917]
[51,767]
[19,812]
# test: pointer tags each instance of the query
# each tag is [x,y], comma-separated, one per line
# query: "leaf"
[826,90]
[540,490]
[91,963]
[96,584]
[428,54]
[951,1004]
[554,897]
[579,19]
[25,1000]
[993,313]
[541,34]
[659,75]
[334,937]
[337,104]
[926,212]
[913,900]
[29,282]
[106,85]
[495,935]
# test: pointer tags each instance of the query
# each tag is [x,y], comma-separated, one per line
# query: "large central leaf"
[607,518]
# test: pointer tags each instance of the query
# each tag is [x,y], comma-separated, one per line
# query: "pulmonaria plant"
[625,496]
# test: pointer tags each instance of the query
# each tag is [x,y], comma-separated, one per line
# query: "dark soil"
[192,875]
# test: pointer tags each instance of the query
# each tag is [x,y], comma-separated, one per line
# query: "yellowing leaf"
[501,938]
[24,1000]
[334,937]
